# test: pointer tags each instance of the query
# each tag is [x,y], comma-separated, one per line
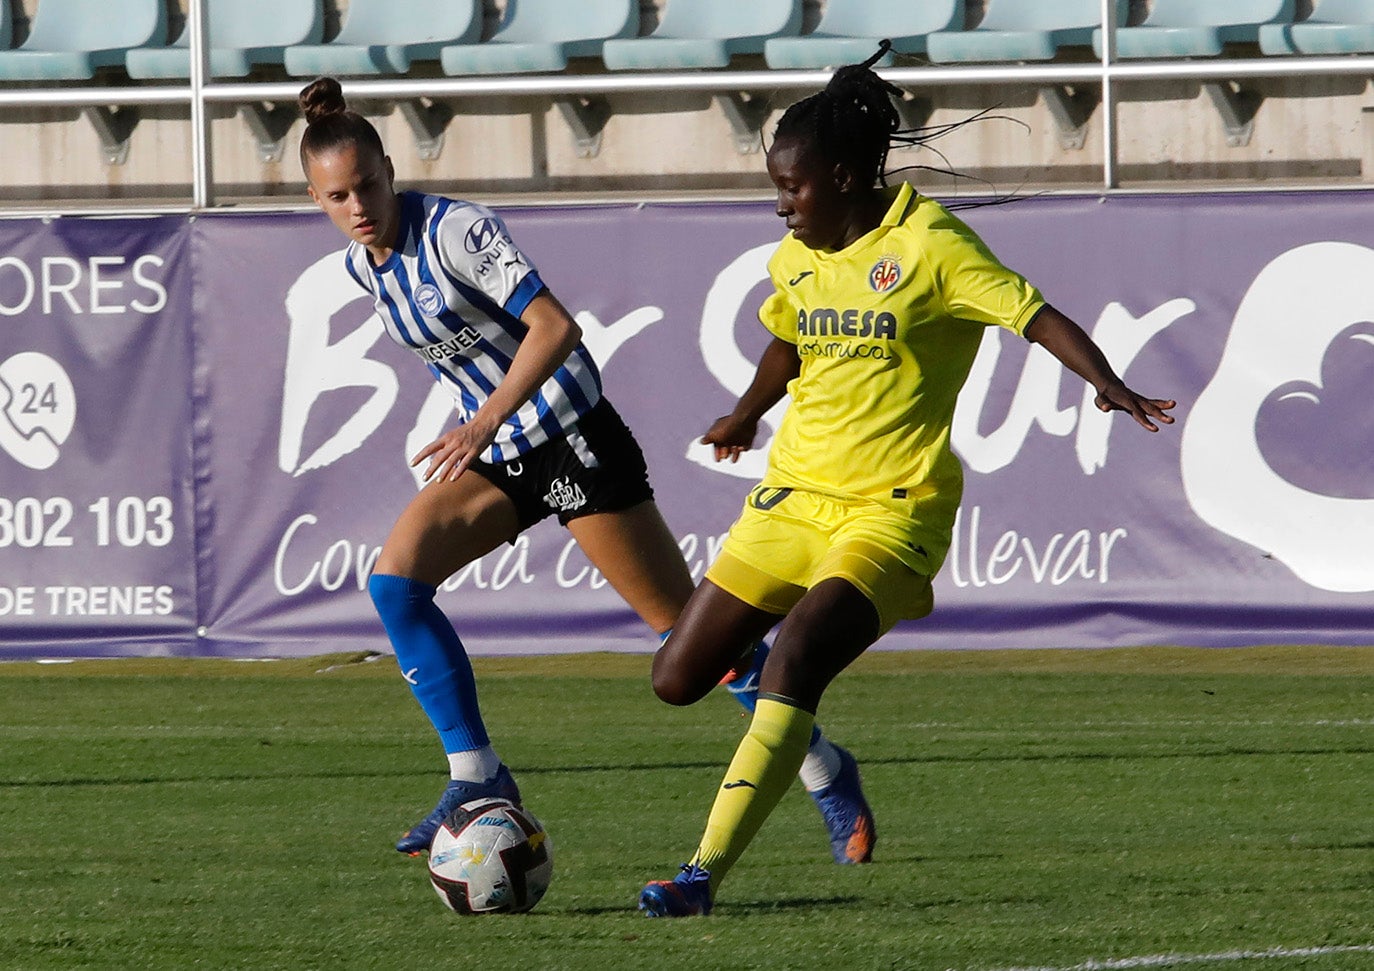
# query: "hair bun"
[851,76]
[321,98]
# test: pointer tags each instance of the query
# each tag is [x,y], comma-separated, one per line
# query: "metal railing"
[1105,74]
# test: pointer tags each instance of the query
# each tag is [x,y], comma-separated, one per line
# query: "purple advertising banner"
[211,414]
[97,538]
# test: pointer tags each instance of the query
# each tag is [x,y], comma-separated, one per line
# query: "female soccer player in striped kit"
[880,301]
[535,438]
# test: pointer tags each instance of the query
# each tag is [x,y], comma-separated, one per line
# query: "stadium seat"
[1022,30]
[849,32]
[242,33]
[540,35]
[705,33]
[1334,27]
[1196,28]
[384,36]
[71,39]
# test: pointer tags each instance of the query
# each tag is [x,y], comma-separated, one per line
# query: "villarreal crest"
[885,274]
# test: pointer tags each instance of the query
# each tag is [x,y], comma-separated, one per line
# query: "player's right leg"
[447,525]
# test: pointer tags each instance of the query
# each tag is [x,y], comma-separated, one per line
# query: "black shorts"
[595,467]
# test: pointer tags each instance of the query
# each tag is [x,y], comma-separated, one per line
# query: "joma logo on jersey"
[460,341]
[565,495]
[885,274]
[829,322]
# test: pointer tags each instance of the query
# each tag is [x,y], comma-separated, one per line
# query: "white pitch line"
[1171,960]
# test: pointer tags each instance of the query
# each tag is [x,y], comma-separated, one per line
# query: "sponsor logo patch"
[481,234]
[565,495]
[445,350]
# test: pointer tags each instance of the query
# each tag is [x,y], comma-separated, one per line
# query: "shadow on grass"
[149,780]
[1359,845]
[1226,752]
[730,907]
[1229,752]
[793,903]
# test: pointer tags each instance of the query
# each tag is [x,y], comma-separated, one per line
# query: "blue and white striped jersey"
[453,291]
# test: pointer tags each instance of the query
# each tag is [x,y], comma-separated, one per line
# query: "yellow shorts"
[787,541]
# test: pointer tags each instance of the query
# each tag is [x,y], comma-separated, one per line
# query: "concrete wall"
[1307,131]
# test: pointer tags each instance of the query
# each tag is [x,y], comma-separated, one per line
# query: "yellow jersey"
[887,329]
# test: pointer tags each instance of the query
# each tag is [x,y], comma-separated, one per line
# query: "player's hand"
[730,436]
[452,452]
[1146,411]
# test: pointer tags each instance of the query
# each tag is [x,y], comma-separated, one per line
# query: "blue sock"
[431,658]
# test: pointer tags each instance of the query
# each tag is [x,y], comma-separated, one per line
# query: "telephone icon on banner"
[37,409]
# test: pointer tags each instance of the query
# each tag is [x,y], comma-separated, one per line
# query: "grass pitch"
[1035,809]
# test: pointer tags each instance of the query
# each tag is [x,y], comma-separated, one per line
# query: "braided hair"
[329,124]
[854,122]
[851,122]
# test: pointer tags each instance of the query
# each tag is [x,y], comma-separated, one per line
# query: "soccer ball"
[490,857]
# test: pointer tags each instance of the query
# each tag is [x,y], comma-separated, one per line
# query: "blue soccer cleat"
[686,895]
[846,814]
[418,837]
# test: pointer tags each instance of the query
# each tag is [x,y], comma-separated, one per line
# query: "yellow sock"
[764,766]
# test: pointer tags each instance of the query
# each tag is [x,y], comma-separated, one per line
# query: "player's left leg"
[640,558]
[829,627]
[446,525]
[863,585]
[761,555]
[637,554]
[829,773]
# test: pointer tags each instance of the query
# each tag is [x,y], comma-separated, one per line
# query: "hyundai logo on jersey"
[481,234]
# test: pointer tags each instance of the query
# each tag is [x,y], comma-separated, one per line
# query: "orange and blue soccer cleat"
[846,814]
[418,837]
[686,895]
[743,677]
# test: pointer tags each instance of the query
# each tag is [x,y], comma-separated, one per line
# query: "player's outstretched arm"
[1076,350]
[734,433]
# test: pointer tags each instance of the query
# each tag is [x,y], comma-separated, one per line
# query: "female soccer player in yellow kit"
[880,301]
